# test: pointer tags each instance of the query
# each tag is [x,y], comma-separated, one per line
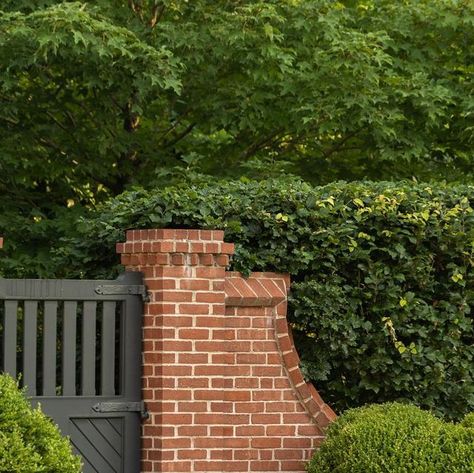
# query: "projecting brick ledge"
[260,289]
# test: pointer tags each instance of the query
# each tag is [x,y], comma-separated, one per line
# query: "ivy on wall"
[382,275]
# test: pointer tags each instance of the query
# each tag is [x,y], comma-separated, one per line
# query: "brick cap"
[175,241]
[180,234]
[258,290]
[1,242]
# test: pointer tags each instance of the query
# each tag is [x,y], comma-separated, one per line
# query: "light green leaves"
[282,218]
[268,29]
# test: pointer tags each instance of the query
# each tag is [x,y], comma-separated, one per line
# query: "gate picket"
[88,348]
[49,347]
[69,348]
[108,351]
[10,336]
[30,323]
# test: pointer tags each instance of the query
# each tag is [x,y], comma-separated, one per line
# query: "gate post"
[220,374]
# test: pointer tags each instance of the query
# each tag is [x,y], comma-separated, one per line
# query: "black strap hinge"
[121,289]
[122,407]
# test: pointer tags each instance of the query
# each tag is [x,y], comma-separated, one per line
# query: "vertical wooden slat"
[49,347]
[69,349]
[108,350]
[29,346]
[131,353]
[88,348]
[10,335]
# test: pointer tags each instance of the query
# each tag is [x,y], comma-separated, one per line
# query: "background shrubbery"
[382,275]
[29,441]
[395,438]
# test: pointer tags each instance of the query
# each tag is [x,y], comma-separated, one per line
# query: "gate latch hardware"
[122,407]
[120,289]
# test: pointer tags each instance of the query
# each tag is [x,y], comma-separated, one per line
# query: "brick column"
[220,373]
[185,272]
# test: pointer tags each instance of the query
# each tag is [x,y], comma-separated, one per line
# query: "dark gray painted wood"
[30,324]
[10,335]
[88,348]
[93,447]
[69,348]
[49,347]
[108,350]
[112,429]
[55,290]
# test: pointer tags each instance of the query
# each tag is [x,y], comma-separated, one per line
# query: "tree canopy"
[100,96]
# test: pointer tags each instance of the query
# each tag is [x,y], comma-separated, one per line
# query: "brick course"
[221,377]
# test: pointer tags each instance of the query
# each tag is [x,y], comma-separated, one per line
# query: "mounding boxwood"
[382,275]
[395,438]
[29,441]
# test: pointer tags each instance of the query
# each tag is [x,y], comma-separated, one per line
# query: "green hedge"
[394,438]
[29,441]
[382,275]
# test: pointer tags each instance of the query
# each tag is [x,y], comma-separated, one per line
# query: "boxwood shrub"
[29,441]
[395,438]
[382,275]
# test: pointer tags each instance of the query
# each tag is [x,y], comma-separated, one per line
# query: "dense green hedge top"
[395,438]
[382,275]
[29,441]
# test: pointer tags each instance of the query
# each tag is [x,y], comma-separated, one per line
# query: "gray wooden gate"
[77,348]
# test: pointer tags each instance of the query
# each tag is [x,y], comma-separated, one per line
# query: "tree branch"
[157,13]
[9,120]
[136,7]
[259,144]
[337,147]
[184,133]
[174,125]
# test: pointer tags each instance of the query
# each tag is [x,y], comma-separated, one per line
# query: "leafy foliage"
[382,275]
[29,441]
[104,94]
[396,438]
[100,96]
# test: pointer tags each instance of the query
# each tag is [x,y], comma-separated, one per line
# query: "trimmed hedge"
[29,441]
[382,275]
[394,438]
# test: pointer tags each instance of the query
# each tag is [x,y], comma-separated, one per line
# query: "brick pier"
[220,372]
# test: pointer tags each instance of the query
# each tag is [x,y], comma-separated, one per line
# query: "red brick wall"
[220,373]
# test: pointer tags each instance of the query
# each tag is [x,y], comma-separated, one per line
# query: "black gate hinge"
[122,407]
[121,289]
